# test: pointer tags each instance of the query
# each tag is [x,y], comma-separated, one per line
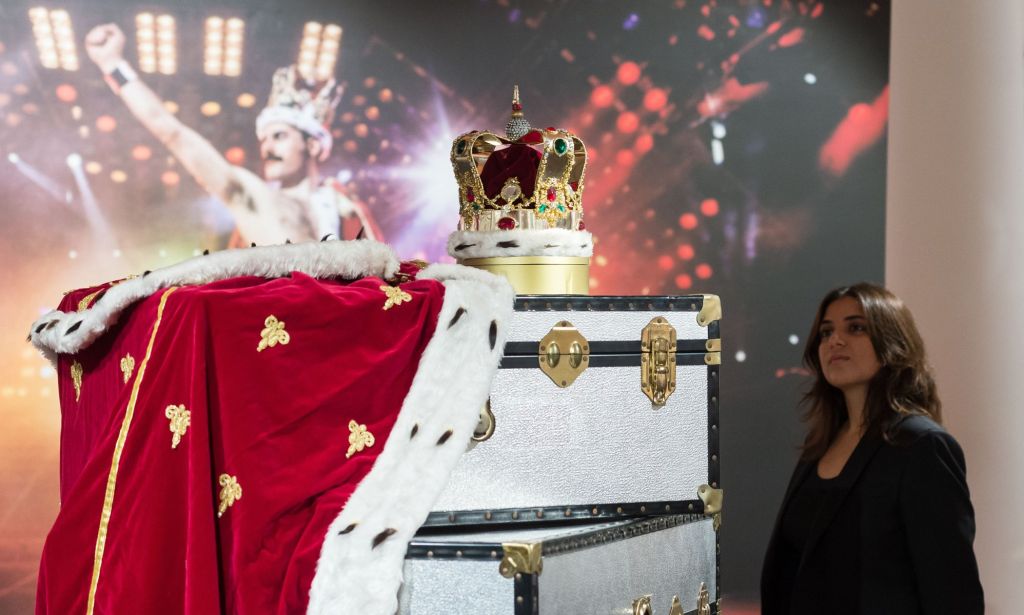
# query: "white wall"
[955,245]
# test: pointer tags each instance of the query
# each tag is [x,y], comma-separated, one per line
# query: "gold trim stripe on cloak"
[108,498]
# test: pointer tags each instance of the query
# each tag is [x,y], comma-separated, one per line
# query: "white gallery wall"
[955,245]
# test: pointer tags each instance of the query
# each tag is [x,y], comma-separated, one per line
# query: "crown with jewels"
[530,179]
[303,103]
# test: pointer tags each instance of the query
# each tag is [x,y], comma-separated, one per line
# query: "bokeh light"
[709,207]
[66,93]
[602,96]
[105,123]
[628,73]
[655,99]
[235,155]
[628,122]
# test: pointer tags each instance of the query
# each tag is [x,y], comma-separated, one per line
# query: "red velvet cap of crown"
[520,159]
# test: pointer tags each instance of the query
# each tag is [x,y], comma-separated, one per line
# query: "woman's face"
[847,356]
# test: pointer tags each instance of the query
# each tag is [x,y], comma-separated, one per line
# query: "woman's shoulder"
[916,435]
[915,431]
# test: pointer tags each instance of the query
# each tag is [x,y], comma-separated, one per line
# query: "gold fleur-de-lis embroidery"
[76,378]
[396,296]
[359,439]
[127,367]
[273,333]
[84,303]
[180,420]
[230,492]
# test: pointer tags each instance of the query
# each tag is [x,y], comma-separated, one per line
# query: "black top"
[893,534]
[802,509]
[799,516]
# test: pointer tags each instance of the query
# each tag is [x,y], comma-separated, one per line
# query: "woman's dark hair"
[903,385]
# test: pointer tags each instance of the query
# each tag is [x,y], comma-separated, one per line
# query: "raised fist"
[105,46]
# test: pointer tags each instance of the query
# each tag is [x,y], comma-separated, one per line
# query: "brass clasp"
[658,360]
[642,606]
[563,354]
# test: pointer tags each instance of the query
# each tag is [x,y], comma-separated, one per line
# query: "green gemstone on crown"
[561,147]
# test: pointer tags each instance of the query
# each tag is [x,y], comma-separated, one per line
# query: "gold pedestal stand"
[539,275]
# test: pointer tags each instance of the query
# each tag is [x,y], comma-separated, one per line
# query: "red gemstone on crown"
[517,107]
[506,223]
[469,195]
[582,226]
[575,186]
[551,194]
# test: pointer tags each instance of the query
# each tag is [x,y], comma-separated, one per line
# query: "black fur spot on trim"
[362,233]
[287,241]
[552,245]
[493,333]
[324,238]
[508,244]
[444,437]
[206,252]
[73,328]
[458,314]
[463,246]
[252,245]
[415,430]
[146,272]
[51,324]
[348,529]
[40,328]
[379,538]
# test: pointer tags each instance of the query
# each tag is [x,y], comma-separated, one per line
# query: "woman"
[877,518]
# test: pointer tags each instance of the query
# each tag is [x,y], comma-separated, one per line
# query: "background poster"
[736,147]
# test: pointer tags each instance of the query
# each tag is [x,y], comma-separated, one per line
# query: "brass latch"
[521,558]
[658,360]
[563,354]
[712,498]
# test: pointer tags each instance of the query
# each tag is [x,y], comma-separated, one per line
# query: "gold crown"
[529,179]
[318,99]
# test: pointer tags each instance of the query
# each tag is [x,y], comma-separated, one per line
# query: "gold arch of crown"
[554,202]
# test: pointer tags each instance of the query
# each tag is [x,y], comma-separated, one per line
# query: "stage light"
[717,152]
[74,161]
[810,79]
[741,356]
[210,108]
[13,158]
[318,51]
[156,43]
[55,38]
[246,100]
[223,44]
[794,339]
[717,129]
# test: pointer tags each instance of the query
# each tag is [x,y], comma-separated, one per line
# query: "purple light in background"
[514,15]
[755,18]
[631,22]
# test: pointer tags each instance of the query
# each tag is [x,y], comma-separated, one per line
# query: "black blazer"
[896,537]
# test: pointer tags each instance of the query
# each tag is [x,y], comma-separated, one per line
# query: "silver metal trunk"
[666,564]
[599,447]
